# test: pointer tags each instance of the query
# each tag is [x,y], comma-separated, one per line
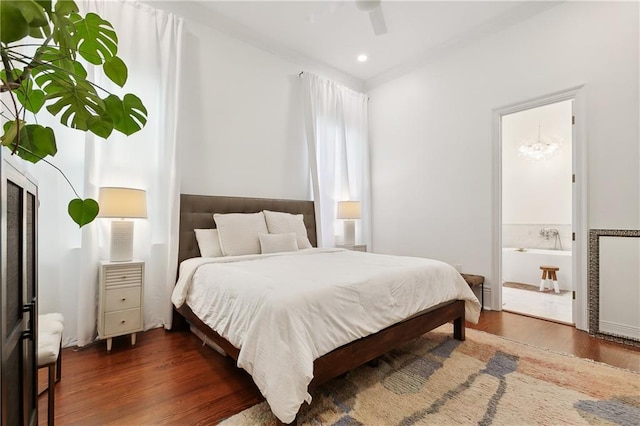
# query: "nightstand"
[121,296]
[354,247]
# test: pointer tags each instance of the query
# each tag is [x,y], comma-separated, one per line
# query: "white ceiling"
[334,33]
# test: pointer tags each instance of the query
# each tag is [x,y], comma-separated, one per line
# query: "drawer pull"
[124,277]
[122,322]
[124,298]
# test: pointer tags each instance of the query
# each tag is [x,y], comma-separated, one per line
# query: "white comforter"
[285,310]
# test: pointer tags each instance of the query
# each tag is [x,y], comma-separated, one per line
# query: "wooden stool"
[50,327]
[549,272]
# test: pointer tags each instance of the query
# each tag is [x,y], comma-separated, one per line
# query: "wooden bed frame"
[196,212]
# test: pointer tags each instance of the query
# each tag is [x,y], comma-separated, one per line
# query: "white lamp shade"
[122,202]
[349,210]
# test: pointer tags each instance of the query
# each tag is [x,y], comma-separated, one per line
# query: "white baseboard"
[623,330]
[487,296]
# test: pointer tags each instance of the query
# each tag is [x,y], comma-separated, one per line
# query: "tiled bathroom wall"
[538,236]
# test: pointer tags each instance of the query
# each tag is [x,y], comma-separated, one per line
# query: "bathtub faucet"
[547,233]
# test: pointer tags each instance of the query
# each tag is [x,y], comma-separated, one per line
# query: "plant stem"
[55,167]
[26,72]
[17,117]
[57,68]
[7,65]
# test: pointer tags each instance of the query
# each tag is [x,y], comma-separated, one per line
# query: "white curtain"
[150,44]
[336,129]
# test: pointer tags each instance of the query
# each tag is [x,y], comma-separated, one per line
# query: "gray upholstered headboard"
[196,212]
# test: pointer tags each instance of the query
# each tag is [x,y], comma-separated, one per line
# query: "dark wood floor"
[170,378]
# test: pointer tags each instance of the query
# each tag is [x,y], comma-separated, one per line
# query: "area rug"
[529,287]
[485,380]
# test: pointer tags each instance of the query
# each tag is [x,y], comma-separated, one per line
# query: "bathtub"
[524,266]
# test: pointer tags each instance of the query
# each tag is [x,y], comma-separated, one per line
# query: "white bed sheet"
[284,310]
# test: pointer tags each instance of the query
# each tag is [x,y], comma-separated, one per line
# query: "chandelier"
[542,148]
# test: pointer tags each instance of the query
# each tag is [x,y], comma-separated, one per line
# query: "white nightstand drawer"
[123,275]
[117,299]
[122,322]
[121,299]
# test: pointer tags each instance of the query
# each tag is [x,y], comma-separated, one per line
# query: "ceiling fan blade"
[377,21]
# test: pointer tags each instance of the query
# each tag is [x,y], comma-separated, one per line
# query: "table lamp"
[122,203]
[349,211]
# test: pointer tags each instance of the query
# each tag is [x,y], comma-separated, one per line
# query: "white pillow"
[280,223]
[208,242]
[275,243]
[238,232]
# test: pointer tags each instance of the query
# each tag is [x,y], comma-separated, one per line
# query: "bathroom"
[537,212]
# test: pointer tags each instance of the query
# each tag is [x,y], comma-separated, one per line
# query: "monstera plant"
[44,48]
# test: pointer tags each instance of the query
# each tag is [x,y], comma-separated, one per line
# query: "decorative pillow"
[275,243]
[208,242]
[280,223]
[238,232]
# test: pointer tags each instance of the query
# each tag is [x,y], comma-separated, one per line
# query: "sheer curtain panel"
[150,43]
[336,130]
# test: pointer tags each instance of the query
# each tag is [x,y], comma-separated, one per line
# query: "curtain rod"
[302,72]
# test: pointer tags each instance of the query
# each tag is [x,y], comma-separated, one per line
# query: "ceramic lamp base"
[121,241]
[349,232]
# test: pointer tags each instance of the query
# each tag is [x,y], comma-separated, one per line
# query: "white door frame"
[579,214]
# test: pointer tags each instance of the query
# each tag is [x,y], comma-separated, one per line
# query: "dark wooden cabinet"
[18,295]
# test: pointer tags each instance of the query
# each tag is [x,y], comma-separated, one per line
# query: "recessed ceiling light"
[362,58]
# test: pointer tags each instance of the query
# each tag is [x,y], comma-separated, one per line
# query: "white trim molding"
[580,245]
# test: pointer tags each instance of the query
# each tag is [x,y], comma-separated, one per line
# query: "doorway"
[579,234]
[537,206]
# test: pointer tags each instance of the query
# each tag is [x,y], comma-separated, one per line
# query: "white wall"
[537,191]
[431,130]
[242,129]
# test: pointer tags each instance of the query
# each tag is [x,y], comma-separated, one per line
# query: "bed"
[196,213]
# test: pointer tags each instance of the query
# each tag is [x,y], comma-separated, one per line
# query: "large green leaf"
[45,4]
[42,140]
[52,59]
[114,108]
[63,27]
[35,141]
[83,211]
[78,70]
[116,70]
[19,18]
[39,32]
[13,25]
[32,99]
[32,12]
[129,115]
[135,115]
[95,38]
[101,125]
[65,7]
[14,74]
[10,131]
[74,97]
[63,34]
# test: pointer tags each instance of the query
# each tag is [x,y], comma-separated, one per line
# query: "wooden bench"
[473,281]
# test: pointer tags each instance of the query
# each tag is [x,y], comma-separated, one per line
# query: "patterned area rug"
[486,380]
